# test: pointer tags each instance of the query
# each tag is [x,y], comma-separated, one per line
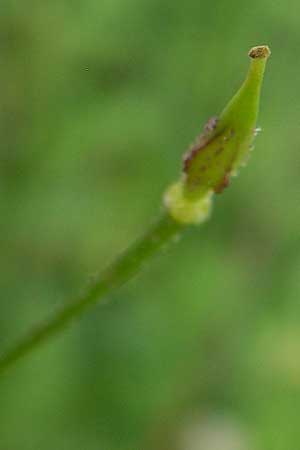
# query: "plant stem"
[122,269]
[206,172]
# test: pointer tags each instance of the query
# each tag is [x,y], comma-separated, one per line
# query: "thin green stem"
[126,266]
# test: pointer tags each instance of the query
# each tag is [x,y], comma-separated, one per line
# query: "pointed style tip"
[261,52]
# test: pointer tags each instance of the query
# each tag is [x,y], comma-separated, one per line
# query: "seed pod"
[221,149]
[226,142]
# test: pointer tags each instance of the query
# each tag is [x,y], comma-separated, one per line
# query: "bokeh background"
[98,101]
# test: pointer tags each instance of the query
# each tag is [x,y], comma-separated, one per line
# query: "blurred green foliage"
[99,99]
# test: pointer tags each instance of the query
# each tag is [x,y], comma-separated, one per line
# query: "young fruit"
[220,150]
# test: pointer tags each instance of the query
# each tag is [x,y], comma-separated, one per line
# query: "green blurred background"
[99,99]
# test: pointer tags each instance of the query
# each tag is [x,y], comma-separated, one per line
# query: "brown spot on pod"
[201,141]
[224,184]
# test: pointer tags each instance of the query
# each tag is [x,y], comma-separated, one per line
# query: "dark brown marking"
[224,184]
[201,141]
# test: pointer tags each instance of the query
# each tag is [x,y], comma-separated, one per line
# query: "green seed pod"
[222,148]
